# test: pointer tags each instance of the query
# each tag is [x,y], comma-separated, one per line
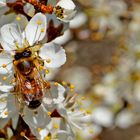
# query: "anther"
[83,98]
[72,86]
[49,113]
[6,113]
[42,30]
[22,134]
[4,65]
[64,83]
[47,138]
[38,129]
[47,71]
[18,18]
[4,78]
[88,111]
[55,126]
[56,83]
[39,22]
[90,131]
[16,44]
[48,60]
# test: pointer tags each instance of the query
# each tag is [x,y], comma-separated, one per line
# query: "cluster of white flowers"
[116,97]
[26,37]
[118,94]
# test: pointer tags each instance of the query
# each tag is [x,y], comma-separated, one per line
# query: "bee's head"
[23,54]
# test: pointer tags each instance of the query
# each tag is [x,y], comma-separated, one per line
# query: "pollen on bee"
[39,22]
[4,65]
[47,85]
[15,62]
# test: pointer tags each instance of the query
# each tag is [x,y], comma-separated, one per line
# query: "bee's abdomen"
[34,104]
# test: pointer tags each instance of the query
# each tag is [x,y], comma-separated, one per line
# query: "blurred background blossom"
[104,65]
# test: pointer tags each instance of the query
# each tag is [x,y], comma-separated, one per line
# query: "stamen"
[18,18]
[25,39]
[72,86]
[49,113]
[41,67]
[41,31]
[38,129]
[39,22]
[48,60]
[47,71]
[56,83]
[8,72]
[55,126]
[4,78]
[23,135]
[90,131]
[13,81]
[64,83]
[17,45]
[35,34]
[11,46]
[6,113]
[47,138]
[12,34]
[19,30]
[4,65]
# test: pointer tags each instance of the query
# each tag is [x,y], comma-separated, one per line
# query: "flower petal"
[6,88]
[36,29]
[5,60]
[66,4]
[29,9]
[36,120]
[11,36]
[53,54]
[55,94]
[3,102]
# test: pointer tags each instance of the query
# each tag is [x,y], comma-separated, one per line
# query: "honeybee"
[29,84]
